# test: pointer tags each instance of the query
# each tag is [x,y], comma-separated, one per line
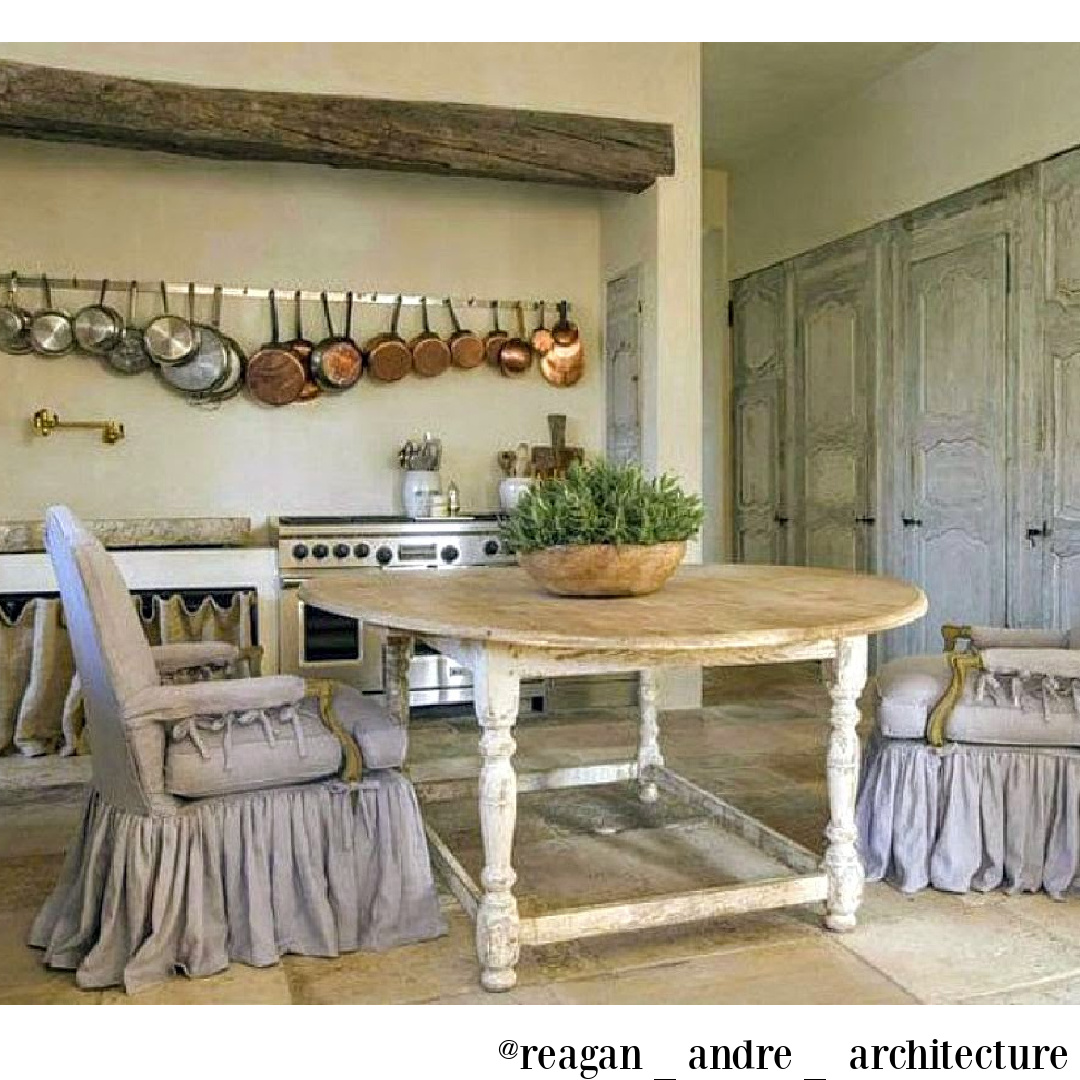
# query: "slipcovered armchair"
[236,819]
[971,778]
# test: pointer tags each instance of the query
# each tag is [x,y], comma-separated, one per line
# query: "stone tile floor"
[759,741]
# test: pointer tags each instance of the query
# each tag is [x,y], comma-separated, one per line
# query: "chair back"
[113,660]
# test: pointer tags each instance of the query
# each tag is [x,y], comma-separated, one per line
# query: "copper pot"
[274,376]
[541,339]
[302,347]
[564,363]
[336,362]
[494,338]
[389,358]
[516,354]
[466,348]
[430,354]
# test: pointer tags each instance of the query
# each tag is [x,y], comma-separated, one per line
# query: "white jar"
[511,489]
[418,486]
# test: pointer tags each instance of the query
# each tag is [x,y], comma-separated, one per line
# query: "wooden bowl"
[604,569]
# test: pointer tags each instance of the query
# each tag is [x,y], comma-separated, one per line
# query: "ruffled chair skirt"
[970,817]
[317,870]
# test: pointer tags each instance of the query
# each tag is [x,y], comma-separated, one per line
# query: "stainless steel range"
[319,644]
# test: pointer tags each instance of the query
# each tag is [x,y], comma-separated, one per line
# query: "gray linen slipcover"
[998,806]
[156,883]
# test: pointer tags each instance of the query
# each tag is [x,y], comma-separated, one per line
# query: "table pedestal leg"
[497,945]
[649,755]
[842,863]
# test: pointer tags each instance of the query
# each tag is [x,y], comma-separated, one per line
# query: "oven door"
[321,645]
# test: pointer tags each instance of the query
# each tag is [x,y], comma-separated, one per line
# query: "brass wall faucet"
[46,421]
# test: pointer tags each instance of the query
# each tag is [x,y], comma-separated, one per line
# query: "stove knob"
[384,555]
[300,551]
[341,551]
[491,547]
[361,551]
[450,553]
[320,551]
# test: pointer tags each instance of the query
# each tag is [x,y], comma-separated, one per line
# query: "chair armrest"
[1058,663]
[192,654]
[170,703]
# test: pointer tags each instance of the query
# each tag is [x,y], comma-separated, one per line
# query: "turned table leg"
[649,755]
[399,650]
[497,928]
[842,863]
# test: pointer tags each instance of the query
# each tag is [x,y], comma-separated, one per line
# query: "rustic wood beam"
[57,104]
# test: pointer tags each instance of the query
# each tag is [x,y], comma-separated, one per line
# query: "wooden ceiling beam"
[57,104]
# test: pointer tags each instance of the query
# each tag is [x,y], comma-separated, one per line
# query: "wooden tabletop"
[701,607]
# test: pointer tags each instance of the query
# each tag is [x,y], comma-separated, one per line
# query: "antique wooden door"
[622,337]
[836,344]
[759,398]
[954,512]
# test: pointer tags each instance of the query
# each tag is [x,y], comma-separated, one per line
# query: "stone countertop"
[20,537]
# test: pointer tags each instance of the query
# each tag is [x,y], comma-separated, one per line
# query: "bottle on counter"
[453,499]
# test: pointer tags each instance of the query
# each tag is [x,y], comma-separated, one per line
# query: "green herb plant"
[600,503]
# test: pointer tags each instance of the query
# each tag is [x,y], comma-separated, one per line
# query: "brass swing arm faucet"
[46,422]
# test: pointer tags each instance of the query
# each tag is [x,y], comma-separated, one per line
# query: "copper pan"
[516,354]
[274,375]
[466,348]
[495,337]
[301,347]
[541,339]
[388,356]
[431,355]
[564,363]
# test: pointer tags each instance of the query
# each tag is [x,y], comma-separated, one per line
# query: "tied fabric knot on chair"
[352,765]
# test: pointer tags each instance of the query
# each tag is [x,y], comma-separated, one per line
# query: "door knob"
[912,522]
[1033,532]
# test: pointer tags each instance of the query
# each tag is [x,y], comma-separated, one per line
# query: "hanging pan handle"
[394,318]
[326,313]
[453,318]
[348,314]
[273,317]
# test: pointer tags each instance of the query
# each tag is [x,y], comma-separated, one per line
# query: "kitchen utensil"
[453,499]
[130,357]
[522,459]
[430,354]
[506,459]
[15,321]
[557,431]
[466,348]
[564,363]
[418,486]
[564,332]
[541,339]
[336,362]
[516,355]
[389,358]
[494,338]
[275,376]
[236,362]
[511,488]
[430,452]
[51,332]
[98,327]
[302,348]
[209,364]
[169,338]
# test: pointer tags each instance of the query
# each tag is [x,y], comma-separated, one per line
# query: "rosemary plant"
[600,503]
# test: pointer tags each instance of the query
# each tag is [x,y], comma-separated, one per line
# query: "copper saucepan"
[564,363]
[516,354]
[274,376]
[389,358]
[431,355]
[466,348]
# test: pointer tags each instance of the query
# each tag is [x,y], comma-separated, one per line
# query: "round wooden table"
[504,628]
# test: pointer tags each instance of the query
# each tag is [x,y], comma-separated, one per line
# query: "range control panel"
[374,552]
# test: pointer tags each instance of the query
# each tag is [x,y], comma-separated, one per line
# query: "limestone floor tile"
[813,970]
[237,985]
[17,771]
[37,829]
[60,993]
[27,880]
[943,947]
[520,995]
[1052,992]
[22,972]
[414,973]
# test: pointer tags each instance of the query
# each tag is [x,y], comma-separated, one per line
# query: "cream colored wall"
[952,117]
[94,211]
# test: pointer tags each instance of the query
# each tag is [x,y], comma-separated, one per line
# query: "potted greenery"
[605,530]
